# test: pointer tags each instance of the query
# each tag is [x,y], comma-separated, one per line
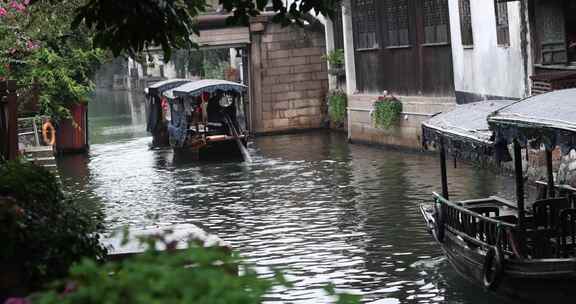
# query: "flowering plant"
[38,49]
[15,41]
[387,111]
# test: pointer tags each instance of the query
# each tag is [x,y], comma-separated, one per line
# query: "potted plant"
[337,104]
[336,60]
[386,111]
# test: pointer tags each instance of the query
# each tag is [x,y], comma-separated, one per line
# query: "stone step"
[43,161]
[42,151]
[42,156]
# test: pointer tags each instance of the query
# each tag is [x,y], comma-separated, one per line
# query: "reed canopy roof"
[158,88]
[548,119]
[196,88]
[464,130]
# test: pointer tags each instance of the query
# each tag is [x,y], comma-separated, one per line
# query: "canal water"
[311,204]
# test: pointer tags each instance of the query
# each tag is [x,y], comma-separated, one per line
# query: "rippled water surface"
[312,204]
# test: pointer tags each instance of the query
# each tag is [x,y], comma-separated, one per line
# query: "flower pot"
[337,70]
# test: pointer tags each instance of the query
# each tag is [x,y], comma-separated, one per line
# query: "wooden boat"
[207,119]
[156,122]
[522,250]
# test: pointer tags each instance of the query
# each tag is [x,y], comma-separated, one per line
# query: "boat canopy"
[464,130]
[160,87]
[548,119]
[196,88]
[169,94]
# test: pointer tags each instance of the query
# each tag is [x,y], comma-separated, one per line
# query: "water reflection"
[116,115]
[312,204]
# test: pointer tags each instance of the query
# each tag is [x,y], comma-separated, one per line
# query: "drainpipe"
[524,43]
[349,57]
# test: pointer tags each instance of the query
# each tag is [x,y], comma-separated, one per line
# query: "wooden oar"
[243,149]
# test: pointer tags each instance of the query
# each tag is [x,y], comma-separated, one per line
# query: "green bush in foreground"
[193,275]
[42,233]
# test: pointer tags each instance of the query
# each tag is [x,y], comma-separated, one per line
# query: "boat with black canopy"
[208,119]
[156,108]
[523,250]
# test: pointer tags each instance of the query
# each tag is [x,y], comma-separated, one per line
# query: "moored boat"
[519,249]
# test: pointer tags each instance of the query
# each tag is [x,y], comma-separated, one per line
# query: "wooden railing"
[559,191]
[476,228]
[8,120]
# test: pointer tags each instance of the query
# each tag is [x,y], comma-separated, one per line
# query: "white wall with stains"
[487,68]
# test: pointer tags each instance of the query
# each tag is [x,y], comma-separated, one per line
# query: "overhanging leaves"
[132,26]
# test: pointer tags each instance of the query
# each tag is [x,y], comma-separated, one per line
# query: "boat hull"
[531,281]
[216,150]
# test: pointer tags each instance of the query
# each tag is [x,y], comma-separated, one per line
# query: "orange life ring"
[48,127]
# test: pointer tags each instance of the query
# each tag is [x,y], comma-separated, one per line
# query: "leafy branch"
[335,57]
[131,27]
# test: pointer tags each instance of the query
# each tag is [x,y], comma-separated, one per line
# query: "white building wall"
[487,69]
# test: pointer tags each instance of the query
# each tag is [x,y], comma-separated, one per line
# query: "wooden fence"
[8,120]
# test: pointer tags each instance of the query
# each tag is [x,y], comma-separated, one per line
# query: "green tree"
[133,26]
[38,47]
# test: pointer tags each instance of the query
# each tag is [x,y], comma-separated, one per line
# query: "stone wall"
[289,77]
[407,134]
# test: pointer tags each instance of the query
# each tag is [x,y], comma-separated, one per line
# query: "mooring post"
[444,174]
[550,173]
[518,171]
[12,119]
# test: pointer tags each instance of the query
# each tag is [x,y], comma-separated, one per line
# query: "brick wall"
[289,77]
[407,133]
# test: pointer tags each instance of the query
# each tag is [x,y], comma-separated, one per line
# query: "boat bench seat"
[554,224]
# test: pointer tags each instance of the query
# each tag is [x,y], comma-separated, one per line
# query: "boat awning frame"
[464,131]
[210,86]
[160,87]
[537,121]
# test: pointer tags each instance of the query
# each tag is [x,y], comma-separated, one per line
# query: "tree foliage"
[38,49]
[133,26]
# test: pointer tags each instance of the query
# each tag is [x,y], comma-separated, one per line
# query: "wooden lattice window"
[436,21]
[466,23]
[397,22]
[502,28]
[364,24]
[551,32]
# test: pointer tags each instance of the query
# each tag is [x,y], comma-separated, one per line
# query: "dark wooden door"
[412,53]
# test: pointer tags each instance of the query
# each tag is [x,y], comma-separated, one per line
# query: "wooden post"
[444,175]
[3,122]
[12,113]
[518,171]
[550,173]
